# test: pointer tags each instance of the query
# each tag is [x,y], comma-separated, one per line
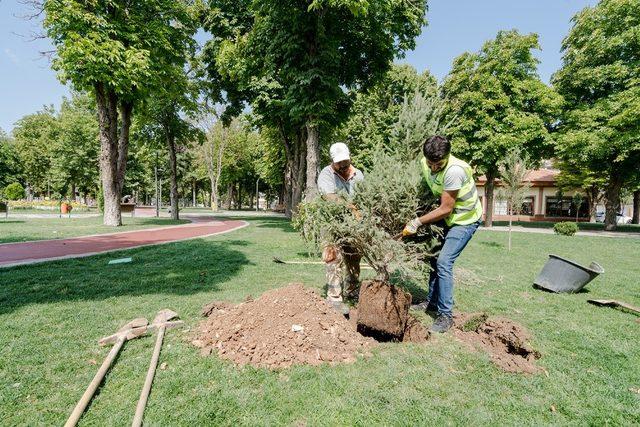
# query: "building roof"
[537,176]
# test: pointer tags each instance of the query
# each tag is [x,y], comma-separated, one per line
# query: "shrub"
[391,195]
[14,191]
[565,228]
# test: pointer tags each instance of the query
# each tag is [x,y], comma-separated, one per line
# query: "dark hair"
[436,148]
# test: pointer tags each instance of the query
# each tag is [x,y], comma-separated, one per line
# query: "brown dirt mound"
[506,341]
[284,327]
[383,310]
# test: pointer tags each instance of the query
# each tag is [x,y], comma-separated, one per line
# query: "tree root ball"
[383,310]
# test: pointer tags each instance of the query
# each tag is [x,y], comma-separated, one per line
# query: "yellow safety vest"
[467,208]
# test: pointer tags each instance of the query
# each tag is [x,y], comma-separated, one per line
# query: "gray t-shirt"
[454,178]
[330,182]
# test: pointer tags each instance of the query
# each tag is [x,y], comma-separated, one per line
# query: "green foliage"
[375,113]
[371,222]
[35,136]
[10,170]
[565,228]
[126,46]
[14,191]
[513,185]
[600,81]
[499,102]
[74,155]
[293,59]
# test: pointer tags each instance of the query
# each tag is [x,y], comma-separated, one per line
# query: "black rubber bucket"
[563,275]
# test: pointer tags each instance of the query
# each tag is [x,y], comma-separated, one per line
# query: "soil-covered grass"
[52,314]
[24,229]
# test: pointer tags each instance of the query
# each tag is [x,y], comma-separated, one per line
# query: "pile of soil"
[506,341]
[383,313]
[283,327]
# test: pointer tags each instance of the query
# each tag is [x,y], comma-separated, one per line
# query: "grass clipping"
[371,222]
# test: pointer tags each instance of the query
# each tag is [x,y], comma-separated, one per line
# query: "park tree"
[35,136]
[119,51]
[498,103]
[575,175]
[293,60]
[74,154]
[600,82]
[10,170]
[513,184]
[375,113]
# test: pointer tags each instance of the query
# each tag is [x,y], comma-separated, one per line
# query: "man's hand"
[412,227]
[356,213]
[329,254]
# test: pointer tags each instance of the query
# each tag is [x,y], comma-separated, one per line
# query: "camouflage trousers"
[343,274]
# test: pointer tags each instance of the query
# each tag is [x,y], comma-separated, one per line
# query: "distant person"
[451,179]
[340,177]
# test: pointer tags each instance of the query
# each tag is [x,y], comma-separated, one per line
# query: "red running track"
[46,250]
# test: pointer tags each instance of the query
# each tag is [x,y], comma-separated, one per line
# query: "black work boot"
[425,306]
[442,324]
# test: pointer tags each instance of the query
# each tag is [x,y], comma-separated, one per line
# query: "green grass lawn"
[52,314]
[23,229]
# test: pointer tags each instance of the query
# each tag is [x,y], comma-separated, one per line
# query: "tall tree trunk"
[636,207]
[239,197]
[510,222]
[229,196]
[107,104]
[313,156]
[488,194]
[295,154]
[173,166]
[193,192]
[612,202]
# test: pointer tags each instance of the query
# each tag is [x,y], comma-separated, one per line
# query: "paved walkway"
[46,250]
[593,233]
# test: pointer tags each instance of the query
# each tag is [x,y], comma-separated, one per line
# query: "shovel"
[161,322]
[131,330]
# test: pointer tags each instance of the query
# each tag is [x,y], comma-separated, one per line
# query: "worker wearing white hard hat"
[339,180]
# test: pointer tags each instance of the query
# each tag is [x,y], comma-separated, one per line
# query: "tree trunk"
[193,193]
[239,197]
[173,166]
[636,207]
[510,221]
[488,194]
[229,196]
[106,101]
[313,156]
[612,202]
[295,154]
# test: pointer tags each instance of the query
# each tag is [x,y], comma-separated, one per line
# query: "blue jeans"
[441,277]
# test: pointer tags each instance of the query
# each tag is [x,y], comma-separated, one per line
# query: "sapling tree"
[513,185]
[390,196]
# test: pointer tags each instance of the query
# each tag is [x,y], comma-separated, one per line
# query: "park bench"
[4,209]
[128,208]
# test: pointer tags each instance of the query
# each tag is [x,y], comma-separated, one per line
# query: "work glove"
[411,227]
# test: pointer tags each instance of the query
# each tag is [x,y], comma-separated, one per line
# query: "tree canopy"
[600,81]
[497,103]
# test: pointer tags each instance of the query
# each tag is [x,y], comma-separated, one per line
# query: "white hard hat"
[339,152]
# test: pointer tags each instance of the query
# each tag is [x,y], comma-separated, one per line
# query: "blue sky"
[455,26]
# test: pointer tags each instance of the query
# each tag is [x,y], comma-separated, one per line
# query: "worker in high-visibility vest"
[451,179]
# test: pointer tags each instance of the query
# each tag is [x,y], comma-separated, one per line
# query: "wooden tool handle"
[144,394]
[93,386]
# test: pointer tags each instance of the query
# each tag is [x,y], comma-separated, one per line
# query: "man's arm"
[447,202]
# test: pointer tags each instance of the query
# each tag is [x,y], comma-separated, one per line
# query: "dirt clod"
[283,327]
[215,306]
[506,341]
[383,310]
